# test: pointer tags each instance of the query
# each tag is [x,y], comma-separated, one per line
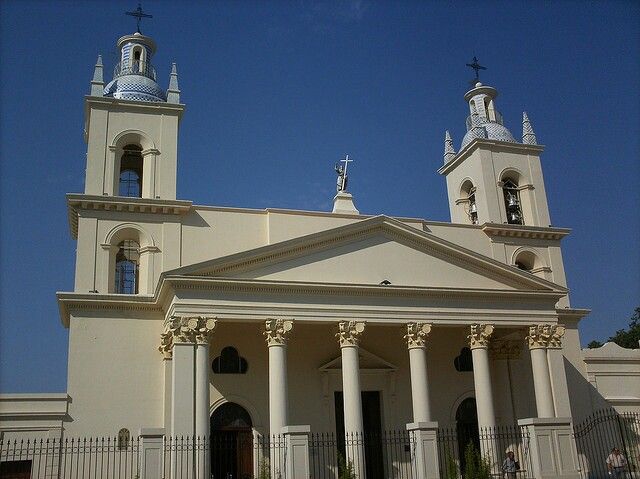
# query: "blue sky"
[277,91]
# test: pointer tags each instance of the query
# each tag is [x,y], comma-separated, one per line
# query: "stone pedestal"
[343,203]
[297,450]
[151,453]
[552,448]
[424,450]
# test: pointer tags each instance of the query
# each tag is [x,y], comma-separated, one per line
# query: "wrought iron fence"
[599,433]
[385,455]
[87,458]
[229,455]
[486,447]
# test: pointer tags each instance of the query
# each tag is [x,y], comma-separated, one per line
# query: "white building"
[188,317]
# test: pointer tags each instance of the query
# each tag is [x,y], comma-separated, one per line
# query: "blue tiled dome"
[135,87]
[489,130]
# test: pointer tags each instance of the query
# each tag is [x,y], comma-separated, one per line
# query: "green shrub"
[476,467]
[345,469]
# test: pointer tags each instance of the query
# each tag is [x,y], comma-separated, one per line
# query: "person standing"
[510,466]
[616,463]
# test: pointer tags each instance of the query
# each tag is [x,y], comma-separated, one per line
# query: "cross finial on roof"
[477,67]
[139,14]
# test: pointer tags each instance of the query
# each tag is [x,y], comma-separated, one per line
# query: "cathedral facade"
[199,317]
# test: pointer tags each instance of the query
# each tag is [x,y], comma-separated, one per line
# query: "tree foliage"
[625,338]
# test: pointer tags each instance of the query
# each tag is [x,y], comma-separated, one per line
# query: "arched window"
[464,361]
[530,262]
[131,172]
[512,202]
[127,261]
[229,362]
[468,193]
[124,436]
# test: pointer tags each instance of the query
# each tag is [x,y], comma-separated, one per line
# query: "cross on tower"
[139,14]
[477,67]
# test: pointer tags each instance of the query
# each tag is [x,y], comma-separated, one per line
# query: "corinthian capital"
[166,345]
[545,336]
[555,342]
[186,329]
[480,335]
[181,330]
[204,327]
[349,332]
[417,334]
[277,331]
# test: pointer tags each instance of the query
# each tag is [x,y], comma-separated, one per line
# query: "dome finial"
[528,135]
[449,152]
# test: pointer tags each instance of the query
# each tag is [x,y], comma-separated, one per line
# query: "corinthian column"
[539,339]
[203,327]
[416,337]
[348,335]
[276,332]
[479,344]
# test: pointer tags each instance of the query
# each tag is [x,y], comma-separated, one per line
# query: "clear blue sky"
[277,91]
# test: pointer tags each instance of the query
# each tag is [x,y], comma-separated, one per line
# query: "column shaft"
[542,382]
[482,383]
[351,390]
[278,388]
[419,385]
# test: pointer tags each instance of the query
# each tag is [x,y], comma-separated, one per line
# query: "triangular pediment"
[378,250]
[367,362]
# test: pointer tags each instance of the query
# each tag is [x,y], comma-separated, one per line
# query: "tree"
[625,338]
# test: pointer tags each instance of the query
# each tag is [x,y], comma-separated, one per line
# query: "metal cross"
[139,14]
[346,161]
[477,67]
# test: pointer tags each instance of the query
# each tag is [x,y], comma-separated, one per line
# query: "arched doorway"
[231,442]
[467,427]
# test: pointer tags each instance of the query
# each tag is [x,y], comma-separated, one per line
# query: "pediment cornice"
[379,225]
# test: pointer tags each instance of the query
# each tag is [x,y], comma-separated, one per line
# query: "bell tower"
[128,211]
[494,178]
[131,126]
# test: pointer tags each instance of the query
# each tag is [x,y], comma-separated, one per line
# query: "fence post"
[424,445]
[151,453]
[552,447]
[296,451]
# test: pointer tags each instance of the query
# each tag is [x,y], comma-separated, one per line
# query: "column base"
[553,449]
[424,449]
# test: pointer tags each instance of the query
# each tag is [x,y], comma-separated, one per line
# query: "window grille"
[127,261]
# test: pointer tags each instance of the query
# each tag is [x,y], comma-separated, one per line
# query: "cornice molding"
[76,203]
[492,145]
[520,231]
